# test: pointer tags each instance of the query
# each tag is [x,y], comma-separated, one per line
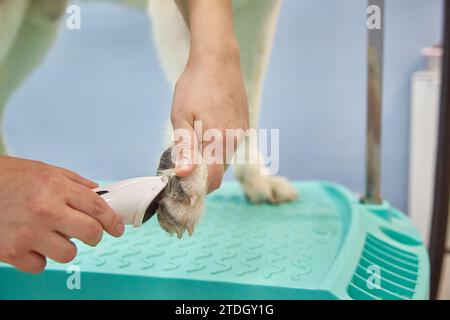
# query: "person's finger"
[90,203]
[213,157]
[56,247]
[215,176]
[185,150]
[76,224]
[75,177]
[30,262]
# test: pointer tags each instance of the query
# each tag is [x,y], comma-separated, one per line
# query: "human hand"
[210,90]
[42,207]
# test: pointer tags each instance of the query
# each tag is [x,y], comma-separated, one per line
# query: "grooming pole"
[374,104]
[441,201]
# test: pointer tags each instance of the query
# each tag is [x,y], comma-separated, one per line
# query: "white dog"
[28,28]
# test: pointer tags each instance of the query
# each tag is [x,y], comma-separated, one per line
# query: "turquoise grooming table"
[326,245]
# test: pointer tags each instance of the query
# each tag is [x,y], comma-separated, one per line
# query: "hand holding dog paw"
[211,94]
[209,98]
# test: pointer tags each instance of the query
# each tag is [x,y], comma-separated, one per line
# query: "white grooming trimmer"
[135,200]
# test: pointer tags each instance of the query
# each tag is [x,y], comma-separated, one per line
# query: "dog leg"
[34,36]
[12,13]
[171,36]
[11,17]
[255,24]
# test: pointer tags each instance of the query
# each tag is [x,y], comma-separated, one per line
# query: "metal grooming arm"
[374,104]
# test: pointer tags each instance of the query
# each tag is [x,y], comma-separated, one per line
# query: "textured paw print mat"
[326,245]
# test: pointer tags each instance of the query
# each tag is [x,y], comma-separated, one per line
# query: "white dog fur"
[28,28]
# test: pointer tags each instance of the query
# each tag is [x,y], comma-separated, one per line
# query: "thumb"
[186,149]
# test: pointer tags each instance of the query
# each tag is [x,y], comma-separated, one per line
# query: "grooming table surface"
[238,251]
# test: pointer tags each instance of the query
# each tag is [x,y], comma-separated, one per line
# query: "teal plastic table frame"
[326,245]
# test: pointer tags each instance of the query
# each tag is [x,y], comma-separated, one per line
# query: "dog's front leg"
[255,24]
[34,36]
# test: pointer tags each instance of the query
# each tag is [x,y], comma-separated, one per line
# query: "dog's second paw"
[181,205]
[271,189]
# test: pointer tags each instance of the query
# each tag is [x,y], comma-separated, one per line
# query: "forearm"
[211,27]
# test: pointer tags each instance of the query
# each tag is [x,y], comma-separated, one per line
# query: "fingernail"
[183,164]
[120,228]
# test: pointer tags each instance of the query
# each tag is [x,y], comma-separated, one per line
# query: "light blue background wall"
[99,102]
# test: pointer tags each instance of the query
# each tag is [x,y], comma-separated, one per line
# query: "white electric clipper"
[135,200]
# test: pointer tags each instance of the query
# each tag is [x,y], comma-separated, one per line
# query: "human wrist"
[226,52]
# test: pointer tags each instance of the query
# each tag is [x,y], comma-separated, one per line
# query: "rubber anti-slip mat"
[308,249]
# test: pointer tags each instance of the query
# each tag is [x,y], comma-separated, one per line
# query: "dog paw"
[181,205]
[271,189]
